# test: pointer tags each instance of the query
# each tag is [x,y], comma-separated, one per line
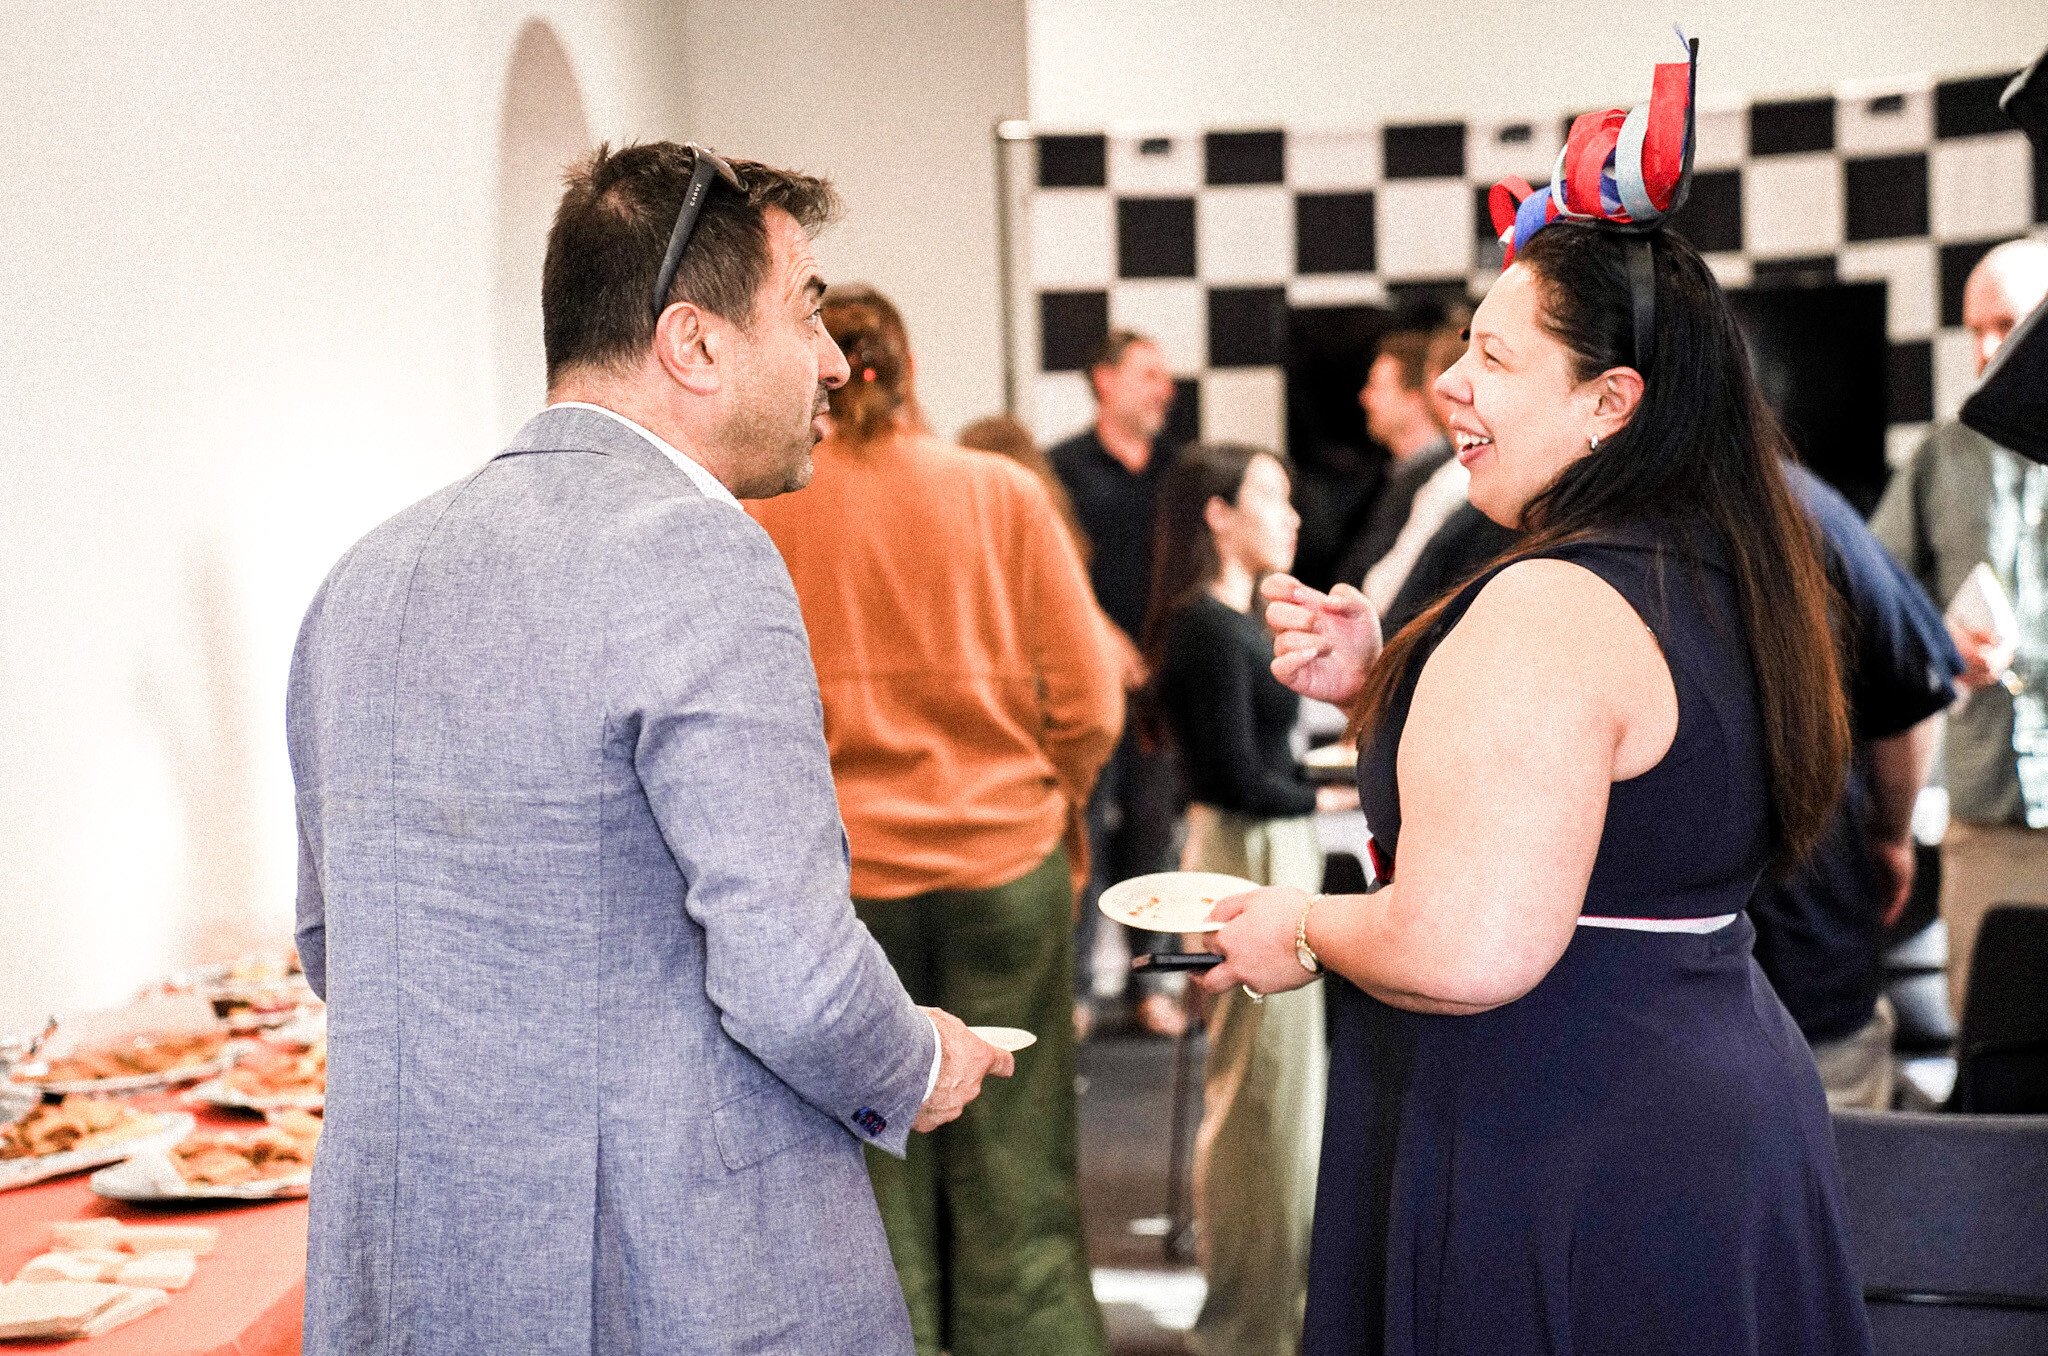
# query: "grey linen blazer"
[605,1035]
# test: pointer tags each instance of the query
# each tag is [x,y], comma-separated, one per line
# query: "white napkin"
[1981,604]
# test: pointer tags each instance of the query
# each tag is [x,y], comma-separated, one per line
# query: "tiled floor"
[1148,1300]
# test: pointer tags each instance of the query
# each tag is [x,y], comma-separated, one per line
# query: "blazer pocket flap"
[764,1123]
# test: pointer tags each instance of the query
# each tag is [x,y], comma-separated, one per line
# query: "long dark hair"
[1701,453]
[1184,556]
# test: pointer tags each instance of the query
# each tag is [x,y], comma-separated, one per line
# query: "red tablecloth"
[247,1299]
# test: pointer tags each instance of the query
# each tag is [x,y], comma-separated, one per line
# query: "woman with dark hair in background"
[971,699]
[1567,1112]
[1224,522]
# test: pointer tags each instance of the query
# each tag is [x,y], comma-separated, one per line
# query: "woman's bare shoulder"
[1547,618]
[1551,643]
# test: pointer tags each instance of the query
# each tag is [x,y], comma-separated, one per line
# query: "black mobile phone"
[1176,960]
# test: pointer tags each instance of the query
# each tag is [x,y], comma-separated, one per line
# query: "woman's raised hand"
[1322,642]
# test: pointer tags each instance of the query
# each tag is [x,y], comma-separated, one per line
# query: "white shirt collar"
[712,487]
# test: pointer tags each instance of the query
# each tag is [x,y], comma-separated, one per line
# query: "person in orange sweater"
[971,697]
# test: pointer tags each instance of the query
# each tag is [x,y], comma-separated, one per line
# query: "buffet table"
[247,1298]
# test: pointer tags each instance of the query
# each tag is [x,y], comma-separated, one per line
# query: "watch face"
[1307,959]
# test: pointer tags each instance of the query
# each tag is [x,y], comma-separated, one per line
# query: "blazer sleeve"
[309,932]
[720,707]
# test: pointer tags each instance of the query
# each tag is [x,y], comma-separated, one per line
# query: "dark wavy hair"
[1184,556]
[1702,454]
[611,230]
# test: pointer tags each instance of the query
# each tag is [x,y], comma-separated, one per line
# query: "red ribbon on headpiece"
[1586,152]
[1664,141]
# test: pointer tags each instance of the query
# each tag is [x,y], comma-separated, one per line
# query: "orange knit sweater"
[971,692]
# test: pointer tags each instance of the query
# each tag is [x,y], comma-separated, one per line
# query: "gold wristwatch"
[1303,952]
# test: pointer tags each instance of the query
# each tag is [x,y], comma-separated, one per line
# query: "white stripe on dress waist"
[1714,924]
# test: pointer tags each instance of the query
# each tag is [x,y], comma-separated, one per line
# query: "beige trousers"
[1984,865]
[1262,1114]
[1858,1070]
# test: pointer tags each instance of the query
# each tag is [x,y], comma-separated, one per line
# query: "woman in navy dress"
[1566,1111]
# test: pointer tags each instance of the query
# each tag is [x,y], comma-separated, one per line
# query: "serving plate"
[171,1126]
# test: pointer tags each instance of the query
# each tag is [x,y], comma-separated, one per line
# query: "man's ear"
[688,343]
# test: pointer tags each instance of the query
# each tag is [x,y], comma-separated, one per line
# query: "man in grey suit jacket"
[605,1035]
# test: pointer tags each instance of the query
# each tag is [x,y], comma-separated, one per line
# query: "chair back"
[2002,1050]
[1949,1219]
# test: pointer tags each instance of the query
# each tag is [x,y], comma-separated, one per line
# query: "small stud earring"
[1593,443]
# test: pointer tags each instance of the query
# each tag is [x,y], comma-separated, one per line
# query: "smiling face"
[1258,531]
[785,364]
[1517,412]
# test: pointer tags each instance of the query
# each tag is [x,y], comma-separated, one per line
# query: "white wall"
[268,279]
[249,267]
[896,103]
[1348,63]
[261,292]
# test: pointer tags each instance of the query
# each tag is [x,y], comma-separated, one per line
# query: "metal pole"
[1007,132]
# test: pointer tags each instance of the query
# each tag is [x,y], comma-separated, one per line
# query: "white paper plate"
[19,1172]
[149,1082]
[1171,901]
[1012,1038]
[152,1176]
[1338,757]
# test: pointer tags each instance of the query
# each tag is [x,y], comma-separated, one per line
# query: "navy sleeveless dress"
[1634,1157]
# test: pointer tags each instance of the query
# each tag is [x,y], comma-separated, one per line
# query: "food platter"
[143,1132]
[273,1074]
[153,1177]
[157,1041]
[271,1162]
[218,1092]
[141,1082]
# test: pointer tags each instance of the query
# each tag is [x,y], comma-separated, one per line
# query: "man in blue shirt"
[1820,932]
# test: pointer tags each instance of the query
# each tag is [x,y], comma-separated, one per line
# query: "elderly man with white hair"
[1964,500]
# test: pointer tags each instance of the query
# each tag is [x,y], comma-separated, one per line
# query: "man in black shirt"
[1467,541]
[1398,415]
[1112,474]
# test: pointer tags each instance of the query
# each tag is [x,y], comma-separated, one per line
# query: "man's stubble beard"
[760,439]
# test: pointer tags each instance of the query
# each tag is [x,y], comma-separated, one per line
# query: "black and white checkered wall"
[1206,240]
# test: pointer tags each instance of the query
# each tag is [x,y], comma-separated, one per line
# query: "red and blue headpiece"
[1624,171]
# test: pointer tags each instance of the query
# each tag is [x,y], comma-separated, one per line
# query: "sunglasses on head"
[707,164]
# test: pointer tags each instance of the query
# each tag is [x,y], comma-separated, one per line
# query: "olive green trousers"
[984,1215]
